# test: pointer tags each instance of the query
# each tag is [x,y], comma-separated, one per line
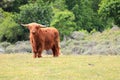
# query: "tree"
[110,9]
[95,5]
[85,14]
[12,5]
[9,30]
[37,12]
[59,4]
[64,22]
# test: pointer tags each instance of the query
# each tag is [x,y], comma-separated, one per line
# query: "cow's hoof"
[55,56]
[39,56]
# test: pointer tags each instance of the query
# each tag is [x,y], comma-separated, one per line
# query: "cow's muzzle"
[33,32]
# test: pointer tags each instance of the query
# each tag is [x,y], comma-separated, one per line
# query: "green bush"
[110,9]
[63,21]
[9,30]
[35,12]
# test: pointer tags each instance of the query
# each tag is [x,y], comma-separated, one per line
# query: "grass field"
[70,67]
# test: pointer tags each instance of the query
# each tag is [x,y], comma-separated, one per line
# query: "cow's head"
[33,27]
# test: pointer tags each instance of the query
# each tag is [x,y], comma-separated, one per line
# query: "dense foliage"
[110,8]
[37,12]
[12,5]
[64,22]
[9,29]
[66,15]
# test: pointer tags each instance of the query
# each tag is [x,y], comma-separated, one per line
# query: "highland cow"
[43,38]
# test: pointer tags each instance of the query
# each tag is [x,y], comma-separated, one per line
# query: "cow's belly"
[48,45]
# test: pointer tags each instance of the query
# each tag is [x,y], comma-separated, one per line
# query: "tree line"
[66,15]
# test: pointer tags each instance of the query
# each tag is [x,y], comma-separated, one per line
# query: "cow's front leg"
[34,50]
[34,53]
[40,53]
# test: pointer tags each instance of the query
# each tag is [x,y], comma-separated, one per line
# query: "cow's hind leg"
[55,50]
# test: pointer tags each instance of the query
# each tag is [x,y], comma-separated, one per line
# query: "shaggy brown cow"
[43,38]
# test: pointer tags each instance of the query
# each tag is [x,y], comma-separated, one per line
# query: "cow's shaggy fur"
[43,39]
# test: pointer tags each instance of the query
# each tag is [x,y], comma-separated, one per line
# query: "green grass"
[71,67]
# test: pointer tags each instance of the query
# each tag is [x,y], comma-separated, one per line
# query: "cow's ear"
[25,25]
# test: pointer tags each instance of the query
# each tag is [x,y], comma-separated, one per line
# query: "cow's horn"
[42,26]
[24,25]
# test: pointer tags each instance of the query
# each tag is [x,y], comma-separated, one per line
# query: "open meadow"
[65,67]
